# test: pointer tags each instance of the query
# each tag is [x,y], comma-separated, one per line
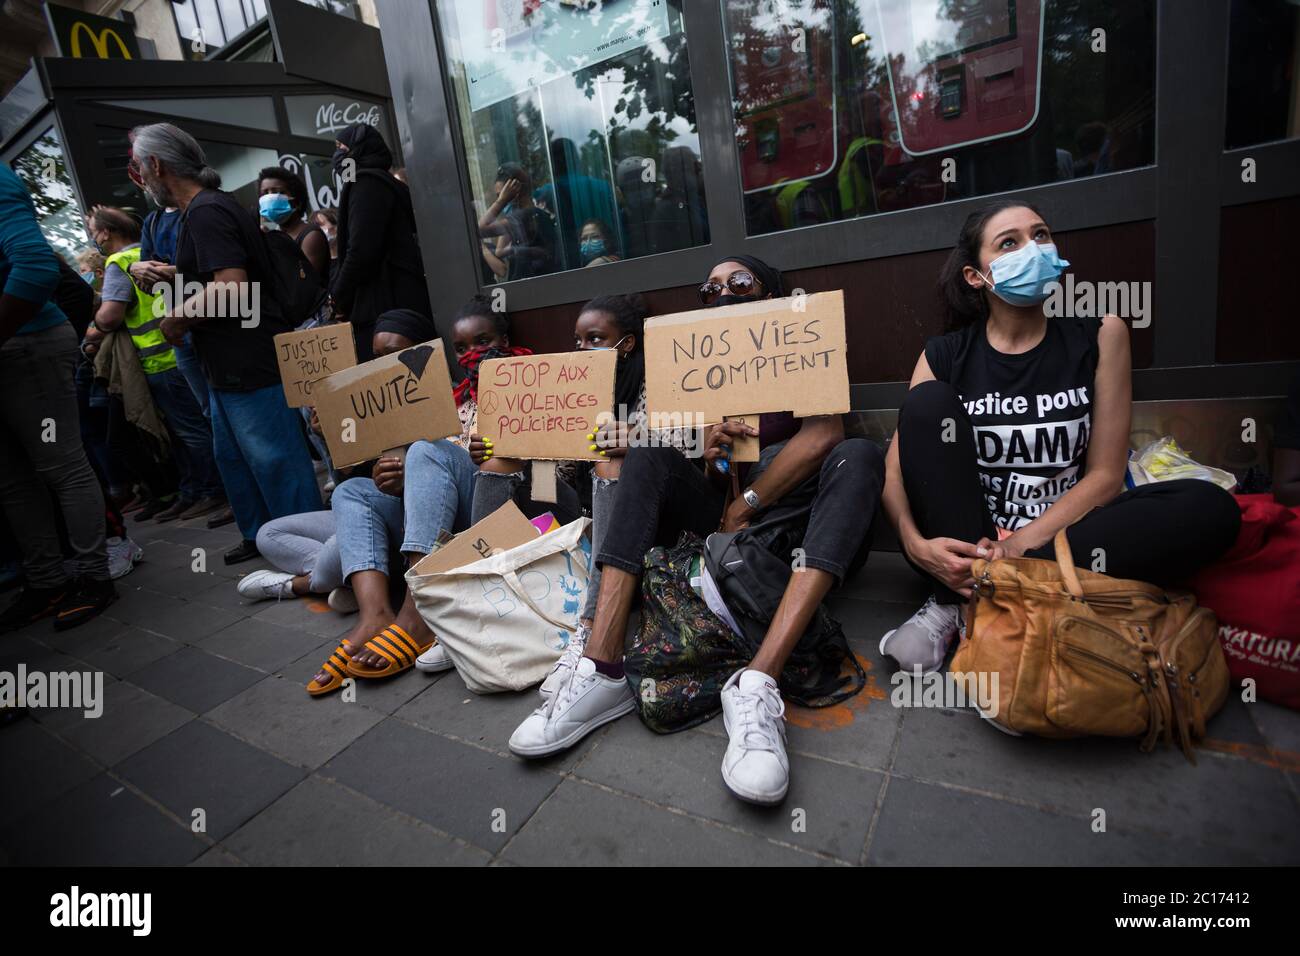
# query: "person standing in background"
[40,435]
[259,446]
[379,268]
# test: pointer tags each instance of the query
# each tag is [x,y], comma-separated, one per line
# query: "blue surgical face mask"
[275,207]
[1021,276]
[605,348]
[89,277]
[592,249]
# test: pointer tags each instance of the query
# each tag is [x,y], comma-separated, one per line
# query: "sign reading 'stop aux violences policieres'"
[84,35]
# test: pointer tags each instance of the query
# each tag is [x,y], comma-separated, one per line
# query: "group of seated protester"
[1014,428]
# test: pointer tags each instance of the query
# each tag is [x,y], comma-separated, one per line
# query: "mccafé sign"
[331,117]
[85,36]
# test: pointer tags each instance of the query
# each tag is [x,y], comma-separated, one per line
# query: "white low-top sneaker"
[922,640]
[567,662]
[123,553]
[583,701]
[342,600]
[433,660]
[266,585]
[755,767]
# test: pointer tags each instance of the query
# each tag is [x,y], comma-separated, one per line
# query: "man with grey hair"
[224,295]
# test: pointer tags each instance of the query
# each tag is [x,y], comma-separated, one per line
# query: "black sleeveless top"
[1031,413]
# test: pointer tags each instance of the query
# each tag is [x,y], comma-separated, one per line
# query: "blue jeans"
[263,460]
[191,435]
[188,363]
[437,493]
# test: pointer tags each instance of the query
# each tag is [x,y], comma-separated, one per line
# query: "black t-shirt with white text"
[1032,412]
[217,233]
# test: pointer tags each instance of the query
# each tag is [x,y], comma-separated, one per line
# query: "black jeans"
[661,494]
[1161,533]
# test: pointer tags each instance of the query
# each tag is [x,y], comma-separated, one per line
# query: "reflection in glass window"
[45,172]
[1263,82]
[849,108]
[579,123]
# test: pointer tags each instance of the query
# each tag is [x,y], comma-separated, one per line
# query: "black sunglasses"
[738,283]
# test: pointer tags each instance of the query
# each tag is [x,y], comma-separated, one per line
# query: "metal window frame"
[1182,193]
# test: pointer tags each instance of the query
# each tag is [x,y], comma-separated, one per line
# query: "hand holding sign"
[544,406]
[386,403]
[774,355]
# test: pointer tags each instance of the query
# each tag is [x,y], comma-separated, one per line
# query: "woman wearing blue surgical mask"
[1016,426]
[282,200]
[595,244]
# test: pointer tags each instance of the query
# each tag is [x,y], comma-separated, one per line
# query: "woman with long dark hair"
[1016,426]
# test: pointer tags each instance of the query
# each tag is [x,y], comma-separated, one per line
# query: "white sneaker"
[123,553]
[567,662]
[755,767]
[434,660]
[265,585]
[922,640]
[343,600]
[583,701]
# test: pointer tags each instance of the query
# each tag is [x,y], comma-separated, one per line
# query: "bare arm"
[801,456]
[110,315]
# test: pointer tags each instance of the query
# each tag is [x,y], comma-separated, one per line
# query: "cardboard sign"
[502,530]
[311,355]
[390,401]
[774,355]
[744,447]
[544,406]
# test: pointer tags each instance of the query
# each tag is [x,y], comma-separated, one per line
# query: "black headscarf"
[773,284]
[407,323]
[365,147]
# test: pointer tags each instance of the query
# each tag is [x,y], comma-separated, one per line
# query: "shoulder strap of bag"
[512,581]
[1065,561]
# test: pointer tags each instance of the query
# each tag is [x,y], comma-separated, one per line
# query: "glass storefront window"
[1263,82]
[44,170]
[848,108]
[588,108]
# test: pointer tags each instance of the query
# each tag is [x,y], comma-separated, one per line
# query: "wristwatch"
[751,498]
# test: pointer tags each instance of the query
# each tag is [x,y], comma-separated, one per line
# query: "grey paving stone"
[859,731]
[125,651]
[38,768]
[1280,727]
[196,679]
[216,856]
[868,620]
[223,593]
[311,615]
[1160,791]
[201,767]
[320,823]
[926,825]
[583,825]
[98,629]
[450,708]
[827,810]
[100,823]
[477,796]
[259,644]
[132,720]
[182,620]
[279,716]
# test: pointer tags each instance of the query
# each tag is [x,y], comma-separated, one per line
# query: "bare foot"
[409,620]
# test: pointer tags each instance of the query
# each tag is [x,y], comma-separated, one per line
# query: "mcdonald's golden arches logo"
[98,40]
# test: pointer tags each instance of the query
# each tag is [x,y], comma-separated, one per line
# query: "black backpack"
[298,288]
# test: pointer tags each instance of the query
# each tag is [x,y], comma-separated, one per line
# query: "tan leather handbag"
[1078,653]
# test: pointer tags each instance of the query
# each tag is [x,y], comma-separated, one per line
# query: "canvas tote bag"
[506,619]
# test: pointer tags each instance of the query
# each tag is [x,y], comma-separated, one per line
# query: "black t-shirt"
[217,233]
[1032,413]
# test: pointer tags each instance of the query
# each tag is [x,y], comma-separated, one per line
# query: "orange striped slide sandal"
[336,666]
[396,647]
